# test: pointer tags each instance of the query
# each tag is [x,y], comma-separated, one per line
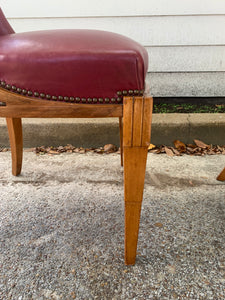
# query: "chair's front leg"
[121,139]
[136,138]
[16,142]
[221,176]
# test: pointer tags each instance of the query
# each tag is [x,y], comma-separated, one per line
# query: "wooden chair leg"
[121,139]
[221,176]
[136,138]
[16,142]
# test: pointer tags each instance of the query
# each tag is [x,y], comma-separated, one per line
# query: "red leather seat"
[83,66]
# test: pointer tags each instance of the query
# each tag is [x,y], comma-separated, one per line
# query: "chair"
[80,74]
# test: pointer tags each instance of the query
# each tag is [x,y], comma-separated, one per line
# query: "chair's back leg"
[16,143]
[221,176]
[136,138]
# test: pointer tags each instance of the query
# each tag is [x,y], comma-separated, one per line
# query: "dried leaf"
[82,151]
[175,151]
[219,148]
[191,146]
[151,146]
[180,146]
[160,225]
[169,152]
[210,152]
[109,148]
[53,152]
[191,150]
[201,144]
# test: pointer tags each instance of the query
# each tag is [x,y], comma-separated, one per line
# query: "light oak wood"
[16,142]
[121,140]
[18,106]
[221,176]
[136,138]
[63,111]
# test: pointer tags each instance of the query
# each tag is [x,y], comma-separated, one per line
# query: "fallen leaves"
[109,148]
[199,148]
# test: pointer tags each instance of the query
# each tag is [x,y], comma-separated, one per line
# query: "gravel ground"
[61,229]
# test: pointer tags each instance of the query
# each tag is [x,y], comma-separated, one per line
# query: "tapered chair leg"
[221,176]
[136,138]
[16,143]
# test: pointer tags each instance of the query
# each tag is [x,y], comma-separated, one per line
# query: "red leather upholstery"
[72,65]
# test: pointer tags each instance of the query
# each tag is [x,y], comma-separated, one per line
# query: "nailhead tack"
[119,99]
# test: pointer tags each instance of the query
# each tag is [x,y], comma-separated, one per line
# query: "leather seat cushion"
[67,64]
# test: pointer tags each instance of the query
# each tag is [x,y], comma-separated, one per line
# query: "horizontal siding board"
[160,31]
[85,8]
[187,59]
[187,84]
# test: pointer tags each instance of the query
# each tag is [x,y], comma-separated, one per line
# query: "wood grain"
[121,140]
[128,121]
[16,142]
[18,106]
[136,137]
[147,116]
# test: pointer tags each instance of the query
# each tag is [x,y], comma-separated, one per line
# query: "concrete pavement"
[61,229]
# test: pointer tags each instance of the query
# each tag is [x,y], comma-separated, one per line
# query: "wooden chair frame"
[135,126]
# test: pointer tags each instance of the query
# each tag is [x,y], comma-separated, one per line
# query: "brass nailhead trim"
[130,92]
[72,99]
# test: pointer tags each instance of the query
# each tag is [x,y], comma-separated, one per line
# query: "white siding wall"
[185,39]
